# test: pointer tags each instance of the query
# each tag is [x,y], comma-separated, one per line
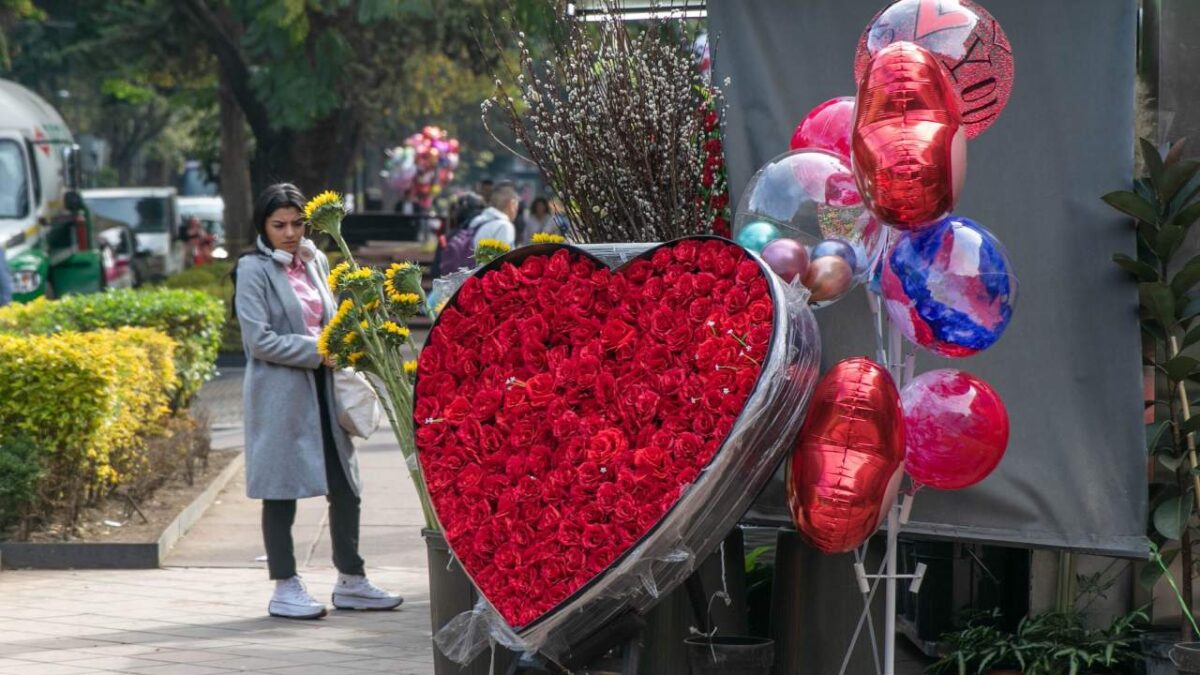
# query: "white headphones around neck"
[307,252]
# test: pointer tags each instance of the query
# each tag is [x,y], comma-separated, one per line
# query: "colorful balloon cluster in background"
[423,166]
[866,193]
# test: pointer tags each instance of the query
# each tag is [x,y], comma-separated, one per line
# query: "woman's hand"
[329,362]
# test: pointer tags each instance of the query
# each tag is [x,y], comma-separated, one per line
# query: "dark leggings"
[344,508]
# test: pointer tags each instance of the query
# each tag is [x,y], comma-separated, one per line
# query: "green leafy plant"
[1053,643]
[21,472]
[759,580]
[192,319]
[1164,206]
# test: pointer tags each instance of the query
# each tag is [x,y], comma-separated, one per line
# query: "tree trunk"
[235,171]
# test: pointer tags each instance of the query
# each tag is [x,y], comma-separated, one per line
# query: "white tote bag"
[358,410]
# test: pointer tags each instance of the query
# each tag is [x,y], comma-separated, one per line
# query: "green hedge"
[213,280]
[193,319]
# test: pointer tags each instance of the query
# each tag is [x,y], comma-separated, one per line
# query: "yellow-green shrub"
[192,318]
[87,400]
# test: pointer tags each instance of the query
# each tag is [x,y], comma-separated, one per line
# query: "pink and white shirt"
[308,295]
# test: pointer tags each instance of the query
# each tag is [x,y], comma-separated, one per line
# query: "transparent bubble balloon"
[810,196]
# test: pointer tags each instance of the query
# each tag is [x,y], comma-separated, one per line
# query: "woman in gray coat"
[294,445]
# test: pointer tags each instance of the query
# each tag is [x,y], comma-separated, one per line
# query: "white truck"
[45,229]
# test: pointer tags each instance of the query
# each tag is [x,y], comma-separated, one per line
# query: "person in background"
[539,220]
[454,245]
[200,240]
[6,290]
[496,221]
[486,186]
[295,447]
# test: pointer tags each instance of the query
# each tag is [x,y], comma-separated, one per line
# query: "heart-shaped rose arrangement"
[574,421]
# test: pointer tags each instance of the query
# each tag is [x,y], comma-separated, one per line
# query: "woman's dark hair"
[270,200]
[540,200]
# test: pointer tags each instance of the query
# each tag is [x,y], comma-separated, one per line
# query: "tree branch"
[232,61]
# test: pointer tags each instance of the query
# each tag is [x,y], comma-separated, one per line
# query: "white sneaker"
[292,601]
[356,592]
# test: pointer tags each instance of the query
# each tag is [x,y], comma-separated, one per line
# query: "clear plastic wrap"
[669,552]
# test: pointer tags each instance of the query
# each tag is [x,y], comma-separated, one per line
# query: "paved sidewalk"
[205,612]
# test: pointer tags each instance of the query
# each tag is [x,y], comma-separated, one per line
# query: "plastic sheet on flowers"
[760,437]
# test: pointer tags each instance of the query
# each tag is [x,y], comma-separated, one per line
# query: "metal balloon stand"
[901,367]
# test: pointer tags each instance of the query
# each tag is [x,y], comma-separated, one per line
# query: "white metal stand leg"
[889,607]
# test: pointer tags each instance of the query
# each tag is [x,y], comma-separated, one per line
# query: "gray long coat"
[284,455]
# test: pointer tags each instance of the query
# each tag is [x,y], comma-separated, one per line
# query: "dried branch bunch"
[615,120]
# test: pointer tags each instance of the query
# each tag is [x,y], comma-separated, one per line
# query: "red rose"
[574,558]
[617,334]
[712,146]
[710,120]
[685,251]
[625,510]
[559,266]
[540,389]
[719,201]
[458,410]
[533,267]
[606,445]
[595,536]
[706,177]
[508,558]
[470,296]
[651,461]
[569,533]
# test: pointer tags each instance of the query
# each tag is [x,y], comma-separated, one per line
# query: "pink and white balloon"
[956,429]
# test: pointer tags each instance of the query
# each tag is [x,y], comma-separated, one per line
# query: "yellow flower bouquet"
[369,332]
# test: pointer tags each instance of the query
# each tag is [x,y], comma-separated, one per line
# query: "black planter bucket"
[1156,652]
[450,594]
[730,655]
[1186,657]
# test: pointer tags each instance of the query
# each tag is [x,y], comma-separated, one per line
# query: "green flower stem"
[1154,554]
[397,394]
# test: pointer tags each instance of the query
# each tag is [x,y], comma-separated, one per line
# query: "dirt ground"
[115,521]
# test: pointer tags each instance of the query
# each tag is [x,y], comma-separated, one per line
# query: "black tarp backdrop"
[1069,365]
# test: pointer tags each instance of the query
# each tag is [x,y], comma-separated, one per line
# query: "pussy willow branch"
[615,123]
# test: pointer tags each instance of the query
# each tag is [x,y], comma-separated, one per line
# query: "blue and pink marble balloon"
[950,287]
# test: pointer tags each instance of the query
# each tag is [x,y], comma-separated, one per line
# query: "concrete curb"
[148,555]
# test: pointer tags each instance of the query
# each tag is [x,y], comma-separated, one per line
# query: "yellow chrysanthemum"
[395,329]
[363,324]
[410,368]
[335,276]
[547,238]
[349,338]
[355,357]
[324,199]
[372,305]
[360,274]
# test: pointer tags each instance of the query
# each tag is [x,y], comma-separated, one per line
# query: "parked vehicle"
[153,215]
[45,229]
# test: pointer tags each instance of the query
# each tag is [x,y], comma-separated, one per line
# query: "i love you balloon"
[909,147]
[957,429]
[967,40]
[847,456]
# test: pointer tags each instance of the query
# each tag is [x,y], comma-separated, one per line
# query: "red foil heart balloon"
[909,146]
[846,456]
